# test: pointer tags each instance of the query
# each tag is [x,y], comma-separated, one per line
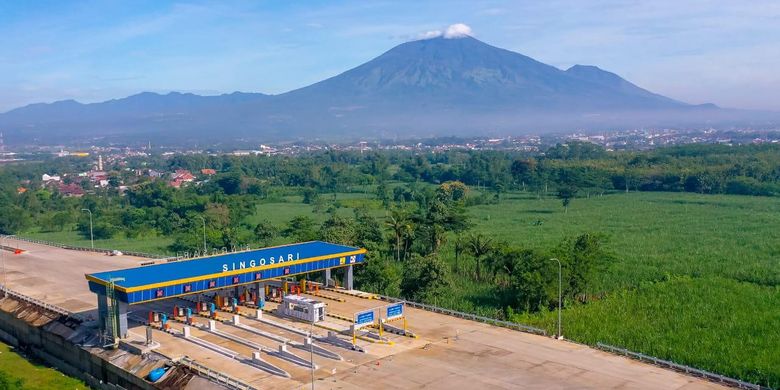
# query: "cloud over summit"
[453,31]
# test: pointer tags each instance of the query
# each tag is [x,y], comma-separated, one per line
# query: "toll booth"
[302,308]
[116,290]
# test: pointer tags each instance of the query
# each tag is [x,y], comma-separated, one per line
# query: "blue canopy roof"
[160,275]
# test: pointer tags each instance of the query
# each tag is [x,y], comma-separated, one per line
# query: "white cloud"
[430,34]
[458,30]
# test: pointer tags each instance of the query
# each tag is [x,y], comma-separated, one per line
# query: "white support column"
[212,325]
[235,319]
[186,331]
[348,278]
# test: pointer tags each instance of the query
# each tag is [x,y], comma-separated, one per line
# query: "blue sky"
[726,52]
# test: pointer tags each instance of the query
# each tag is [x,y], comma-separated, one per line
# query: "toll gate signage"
[365,317]
[394,311]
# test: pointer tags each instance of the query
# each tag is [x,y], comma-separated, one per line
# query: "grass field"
[146,244]
[653,234]
[34,376]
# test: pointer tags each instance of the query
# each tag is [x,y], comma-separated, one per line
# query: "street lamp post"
[311,350]
[560,284]
[2,253]
[91,236]
[204,233]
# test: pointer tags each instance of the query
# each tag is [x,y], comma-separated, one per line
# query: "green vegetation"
[666,252]
[721,325]
[16,372]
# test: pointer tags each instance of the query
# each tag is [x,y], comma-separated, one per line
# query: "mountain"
[466,71]
[429,87]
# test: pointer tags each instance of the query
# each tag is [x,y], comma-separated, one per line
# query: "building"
[71,190]
[180,177]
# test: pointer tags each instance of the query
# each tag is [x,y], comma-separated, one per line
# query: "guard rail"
[468,316]
[711,376]
[217,376]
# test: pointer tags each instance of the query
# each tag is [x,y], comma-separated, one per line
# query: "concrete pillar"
[348,279]
[256,356]
[259,314]
[122,317]
[261,294]
[327,277]
[186,331]
[212,325]
[282,347]
[235,319]
[102,313]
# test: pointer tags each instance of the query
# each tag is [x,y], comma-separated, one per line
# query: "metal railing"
[217,376]
[469,316]
[86,249]
[711,376]
[37,302]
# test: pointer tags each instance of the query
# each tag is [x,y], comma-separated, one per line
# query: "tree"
[524,171]
[479,245]
[59,220]
[565,194]
[310,195]
[301,229]
[583,257]
[529,285]
[380,276]
[229,182]
[339,230]
[13,219]
[400,224]
[114,181]
[265,232]
[369,230]
[452,191]
[459,245]
[425,278]
[383,194]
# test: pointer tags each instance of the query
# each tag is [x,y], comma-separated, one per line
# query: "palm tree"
[479,246]
[399,224]
[459,246]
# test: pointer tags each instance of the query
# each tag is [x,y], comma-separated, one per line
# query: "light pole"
[311,349]
[91,236]
[2,253]
[204,233]
[560,283]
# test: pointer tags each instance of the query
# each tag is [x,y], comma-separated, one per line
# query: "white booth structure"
[302,308]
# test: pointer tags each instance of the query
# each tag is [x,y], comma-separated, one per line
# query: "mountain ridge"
[430,87]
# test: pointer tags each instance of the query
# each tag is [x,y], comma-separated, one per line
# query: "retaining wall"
[45,338]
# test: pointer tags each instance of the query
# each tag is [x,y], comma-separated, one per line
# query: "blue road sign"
[365,317]
[395,310]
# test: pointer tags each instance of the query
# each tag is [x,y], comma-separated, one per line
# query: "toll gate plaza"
[278,324]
